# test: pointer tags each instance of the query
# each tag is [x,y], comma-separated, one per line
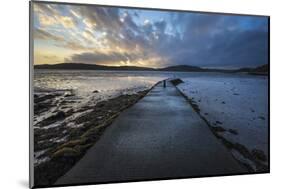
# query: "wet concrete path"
[159,137]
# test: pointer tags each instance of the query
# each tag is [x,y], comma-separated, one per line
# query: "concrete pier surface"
[159,137]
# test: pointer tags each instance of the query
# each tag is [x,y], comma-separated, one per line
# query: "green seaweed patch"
[259,154]
[83,148]
[70,144]
[76,148]
[65,152]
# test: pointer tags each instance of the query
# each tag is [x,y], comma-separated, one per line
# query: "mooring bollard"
[164,83]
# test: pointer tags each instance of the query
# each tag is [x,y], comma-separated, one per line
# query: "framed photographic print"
[121,94]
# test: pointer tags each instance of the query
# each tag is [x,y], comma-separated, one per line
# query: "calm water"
[64,90]
[83,82]
[70,90]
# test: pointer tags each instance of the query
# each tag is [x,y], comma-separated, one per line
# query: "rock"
[41,107]
[68,95]
[243,150]
[65,152]
[72,143]
[259,154]
[100,104]
[218,122]
[100,117]
[261,117]
[83,148]
[218,129]
[233,131]
[227,143]
[45,97]
[60,115]
[95,91]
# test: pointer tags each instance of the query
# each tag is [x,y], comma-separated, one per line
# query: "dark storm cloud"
[160,26]
[209,40]
[106,19]
[102,57]
[97,57]
[240,49]
[136,41]
[129,23]
[217,41]
[228,49]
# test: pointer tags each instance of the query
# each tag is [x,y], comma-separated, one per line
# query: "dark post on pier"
[164,83]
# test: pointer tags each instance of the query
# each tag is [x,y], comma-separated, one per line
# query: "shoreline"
[95,122]
[171,71]
[98,117]
[253,160]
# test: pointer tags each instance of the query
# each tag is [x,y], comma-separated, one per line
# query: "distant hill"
[81,66]
[182,68]
[261,70]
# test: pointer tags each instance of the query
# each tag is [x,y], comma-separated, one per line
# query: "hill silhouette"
[263,69]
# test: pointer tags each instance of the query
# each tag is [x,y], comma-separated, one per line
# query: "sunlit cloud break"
[151,38]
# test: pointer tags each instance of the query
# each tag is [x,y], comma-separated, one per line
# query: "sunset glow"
[137,37]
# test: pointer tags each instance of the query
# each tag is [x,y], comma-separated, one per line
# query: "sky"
[112,36]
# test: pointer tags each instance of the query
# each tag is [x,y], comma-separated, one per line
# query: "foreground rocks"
[73,142]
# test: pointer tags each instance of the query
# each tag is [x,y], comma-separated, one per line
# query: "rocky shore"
[255,160]
[59,144]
